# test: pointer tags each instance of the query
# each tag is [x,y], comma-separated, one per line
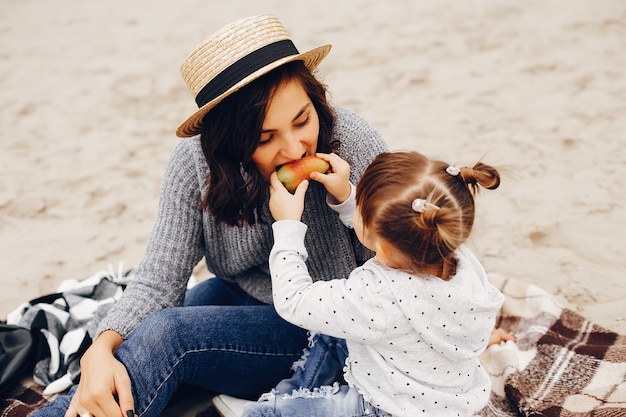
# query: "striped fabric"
[64,324]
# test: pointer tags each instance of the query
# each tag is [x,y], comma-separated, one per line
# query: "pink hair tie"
[419,205]
[452,170]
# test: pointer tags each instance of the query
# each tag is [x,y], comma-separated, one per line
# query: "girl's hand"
[498,336]
[336,182]
[283,204]
[102,378]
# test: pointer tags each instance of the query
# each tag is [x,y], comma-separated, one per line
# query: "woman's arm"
[175,246]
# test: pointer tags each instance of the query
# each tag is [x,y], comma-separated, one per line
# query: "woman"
[259,107]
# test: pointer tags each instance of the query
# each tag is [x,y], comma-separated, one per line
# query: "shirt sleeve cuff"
[346,208]
[289,235]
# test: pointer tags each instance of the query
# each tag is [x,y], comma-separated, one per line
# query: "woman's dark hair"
[230,134]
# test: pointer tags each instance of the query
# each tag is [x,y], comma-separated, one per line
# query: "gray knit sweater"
[183,233]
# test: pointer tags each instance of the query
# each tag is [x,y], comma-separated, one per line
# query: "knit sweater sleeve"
[174,247]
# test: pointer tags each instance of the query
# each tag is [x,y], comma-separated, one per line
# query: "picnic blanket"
[560,365]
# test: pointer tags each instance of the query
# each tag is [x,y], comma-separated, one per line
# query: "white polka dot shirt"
[413,340]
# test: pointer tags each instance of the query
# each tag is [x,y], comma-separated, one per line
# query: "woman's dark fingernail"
[130,413]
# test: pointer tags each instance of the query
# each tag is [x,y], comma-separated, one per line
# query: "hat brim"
[311,59]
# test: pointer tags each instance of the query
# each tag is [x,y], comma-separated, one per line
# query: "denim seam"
[180,358]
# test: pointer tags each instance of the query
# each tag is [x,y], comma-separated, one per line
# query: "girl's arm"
[345,209]
[345,308]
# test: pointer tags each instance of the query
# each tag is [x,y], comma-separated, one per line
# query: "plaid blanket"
[561,365]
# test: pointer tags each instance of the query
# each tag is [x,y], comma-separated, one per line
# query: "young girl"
[417,315]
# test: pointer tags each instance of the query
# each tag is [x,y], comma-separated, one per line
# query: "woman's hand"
[102,379]
[336,182]
[283,204]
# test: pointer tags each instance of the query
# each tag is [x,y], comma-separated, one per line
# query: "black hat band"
[237,71]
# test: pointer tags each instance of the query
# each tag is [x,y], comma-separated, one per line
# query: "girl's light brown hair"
[385,194]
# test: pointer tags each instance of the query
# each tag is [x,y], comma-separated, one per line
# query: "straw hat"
[233,57]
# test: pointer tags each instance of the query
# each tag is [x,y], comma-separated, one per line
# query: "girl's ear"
[383,251]
[386,254]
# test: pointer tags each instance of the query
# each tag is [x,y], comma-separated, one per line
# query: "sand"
[91,94]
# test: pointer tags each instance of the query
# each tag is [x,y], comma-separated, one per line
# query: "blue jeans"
[321,364]
[222,340]
[329,401]
[314,390]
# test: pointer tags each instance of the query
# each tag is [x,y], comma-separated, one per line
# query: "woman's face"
[290,129]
